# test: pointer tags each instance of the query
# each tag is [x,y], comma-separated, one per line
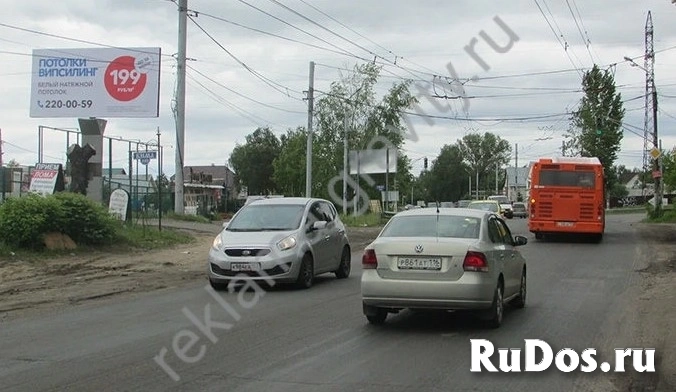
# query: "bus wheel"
[539,236]
[598,238]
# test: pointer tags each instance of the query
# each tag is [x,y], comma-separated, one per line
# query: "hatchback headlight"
[218,242]
[287,243]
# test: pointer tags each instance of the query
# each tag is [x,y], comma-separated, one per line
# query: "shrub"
[84,220]
[23,220]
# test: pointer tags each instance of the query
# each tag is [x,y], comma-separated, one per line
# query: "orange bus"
[567,195]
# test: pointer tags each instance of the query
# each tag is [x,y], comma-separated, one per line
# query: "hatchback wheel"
[345,266]
[306,273]
[520,301]
[497,308]
[218,286]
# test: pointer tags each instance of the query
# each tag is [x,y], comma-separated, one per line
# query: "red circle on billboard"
[122,80]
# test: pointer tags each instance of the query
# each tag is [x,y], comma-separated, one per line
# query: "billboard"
[95,82]
[373,161]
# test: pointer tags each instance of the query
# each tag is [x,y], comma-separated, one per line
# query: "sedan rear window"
[428,226]
[493,207]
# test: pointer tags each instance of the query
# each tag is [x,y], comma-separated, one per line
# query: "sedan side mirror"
[520,240]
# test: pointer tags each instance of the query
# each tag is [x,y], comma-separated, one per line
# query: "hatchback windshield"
[493,207]
[428,226]
[267,217]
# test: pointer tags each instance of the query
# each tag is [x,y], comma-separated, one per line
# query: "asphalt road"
[318,340]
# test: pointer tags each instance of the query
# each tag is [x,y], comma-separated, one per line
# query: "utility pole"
[180,106]
[516,170]
[159,181]
[497,167]
[2,169]
[345,166]
[308,152]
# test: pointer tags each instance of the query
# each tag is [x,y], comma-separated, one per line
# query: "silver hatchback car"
[280,240]
[445,258]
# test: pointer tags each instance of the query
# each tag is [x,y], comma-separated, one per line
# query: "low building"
[516,182]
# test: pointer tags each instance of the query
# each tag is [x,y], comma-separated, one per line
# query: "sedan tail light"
[475,261]
[369,260]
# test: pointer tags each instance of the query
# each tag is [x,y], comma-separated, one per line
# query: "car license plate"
[245,266]
[419,263]
[565,224]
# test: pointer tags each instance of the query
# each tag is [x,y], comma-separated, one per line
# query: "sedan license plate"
[565,224]
[419,263]
[245,266]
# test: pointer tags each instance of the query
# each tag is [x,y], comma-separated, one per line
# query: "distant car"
[447,204]
[505,204]
[520,210]
[485,205]
[463,203]
[286,240]
[454,259]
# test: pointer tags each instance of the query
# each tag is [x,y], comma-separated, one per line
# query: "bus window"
[567,178]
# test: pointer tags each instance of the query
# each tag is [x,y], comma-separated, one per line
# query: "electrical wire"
[579,29]
[242,95]
[277,86]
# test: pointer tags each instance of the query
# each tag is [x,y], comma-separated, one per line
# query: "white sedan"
[443,258]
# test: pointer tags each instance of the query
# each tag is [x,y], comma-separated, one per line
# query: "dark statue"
[78,159]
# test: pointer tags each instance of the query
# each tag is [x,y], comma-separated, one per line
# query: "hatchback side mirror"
[520,240]
[318,225]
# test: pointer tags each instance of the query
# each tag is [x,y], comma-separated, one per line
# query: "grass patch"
[625,210]
[668,216]
[188,218]
[151,238]
[366,220]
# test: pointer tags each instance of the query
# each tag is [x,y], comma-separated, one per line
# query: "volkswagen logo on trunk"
[418,248]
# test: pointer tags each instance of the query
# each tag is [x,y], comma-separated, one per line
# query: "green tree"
[669,167]
[352,103]
[253,161]
[447,179]
[482,153]
[289,166]
[596,127]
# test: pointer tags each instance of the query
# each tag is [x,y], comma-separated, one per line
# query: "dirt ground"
[31,286]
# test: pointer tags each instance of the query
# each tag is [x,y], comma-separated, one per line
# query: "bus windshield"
[571,178]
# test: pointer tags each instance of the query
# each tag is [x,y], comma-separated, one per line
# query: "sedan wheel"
[345,266]
[376,316]
[497,309]
[520,301]
[306,273]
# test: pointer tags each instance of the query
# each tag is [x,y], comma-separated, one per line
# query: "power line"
[279,87]
[295,27]
[565,47]
[269,33]
[242,95]
[211,94]
[586,33]
[580,31]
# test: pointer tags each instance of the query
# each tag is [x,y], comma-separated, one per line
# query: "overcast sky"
[536,80]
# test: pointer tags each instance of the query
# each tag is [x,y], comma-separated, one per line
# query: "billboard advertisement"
[373,161]
[95,82]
